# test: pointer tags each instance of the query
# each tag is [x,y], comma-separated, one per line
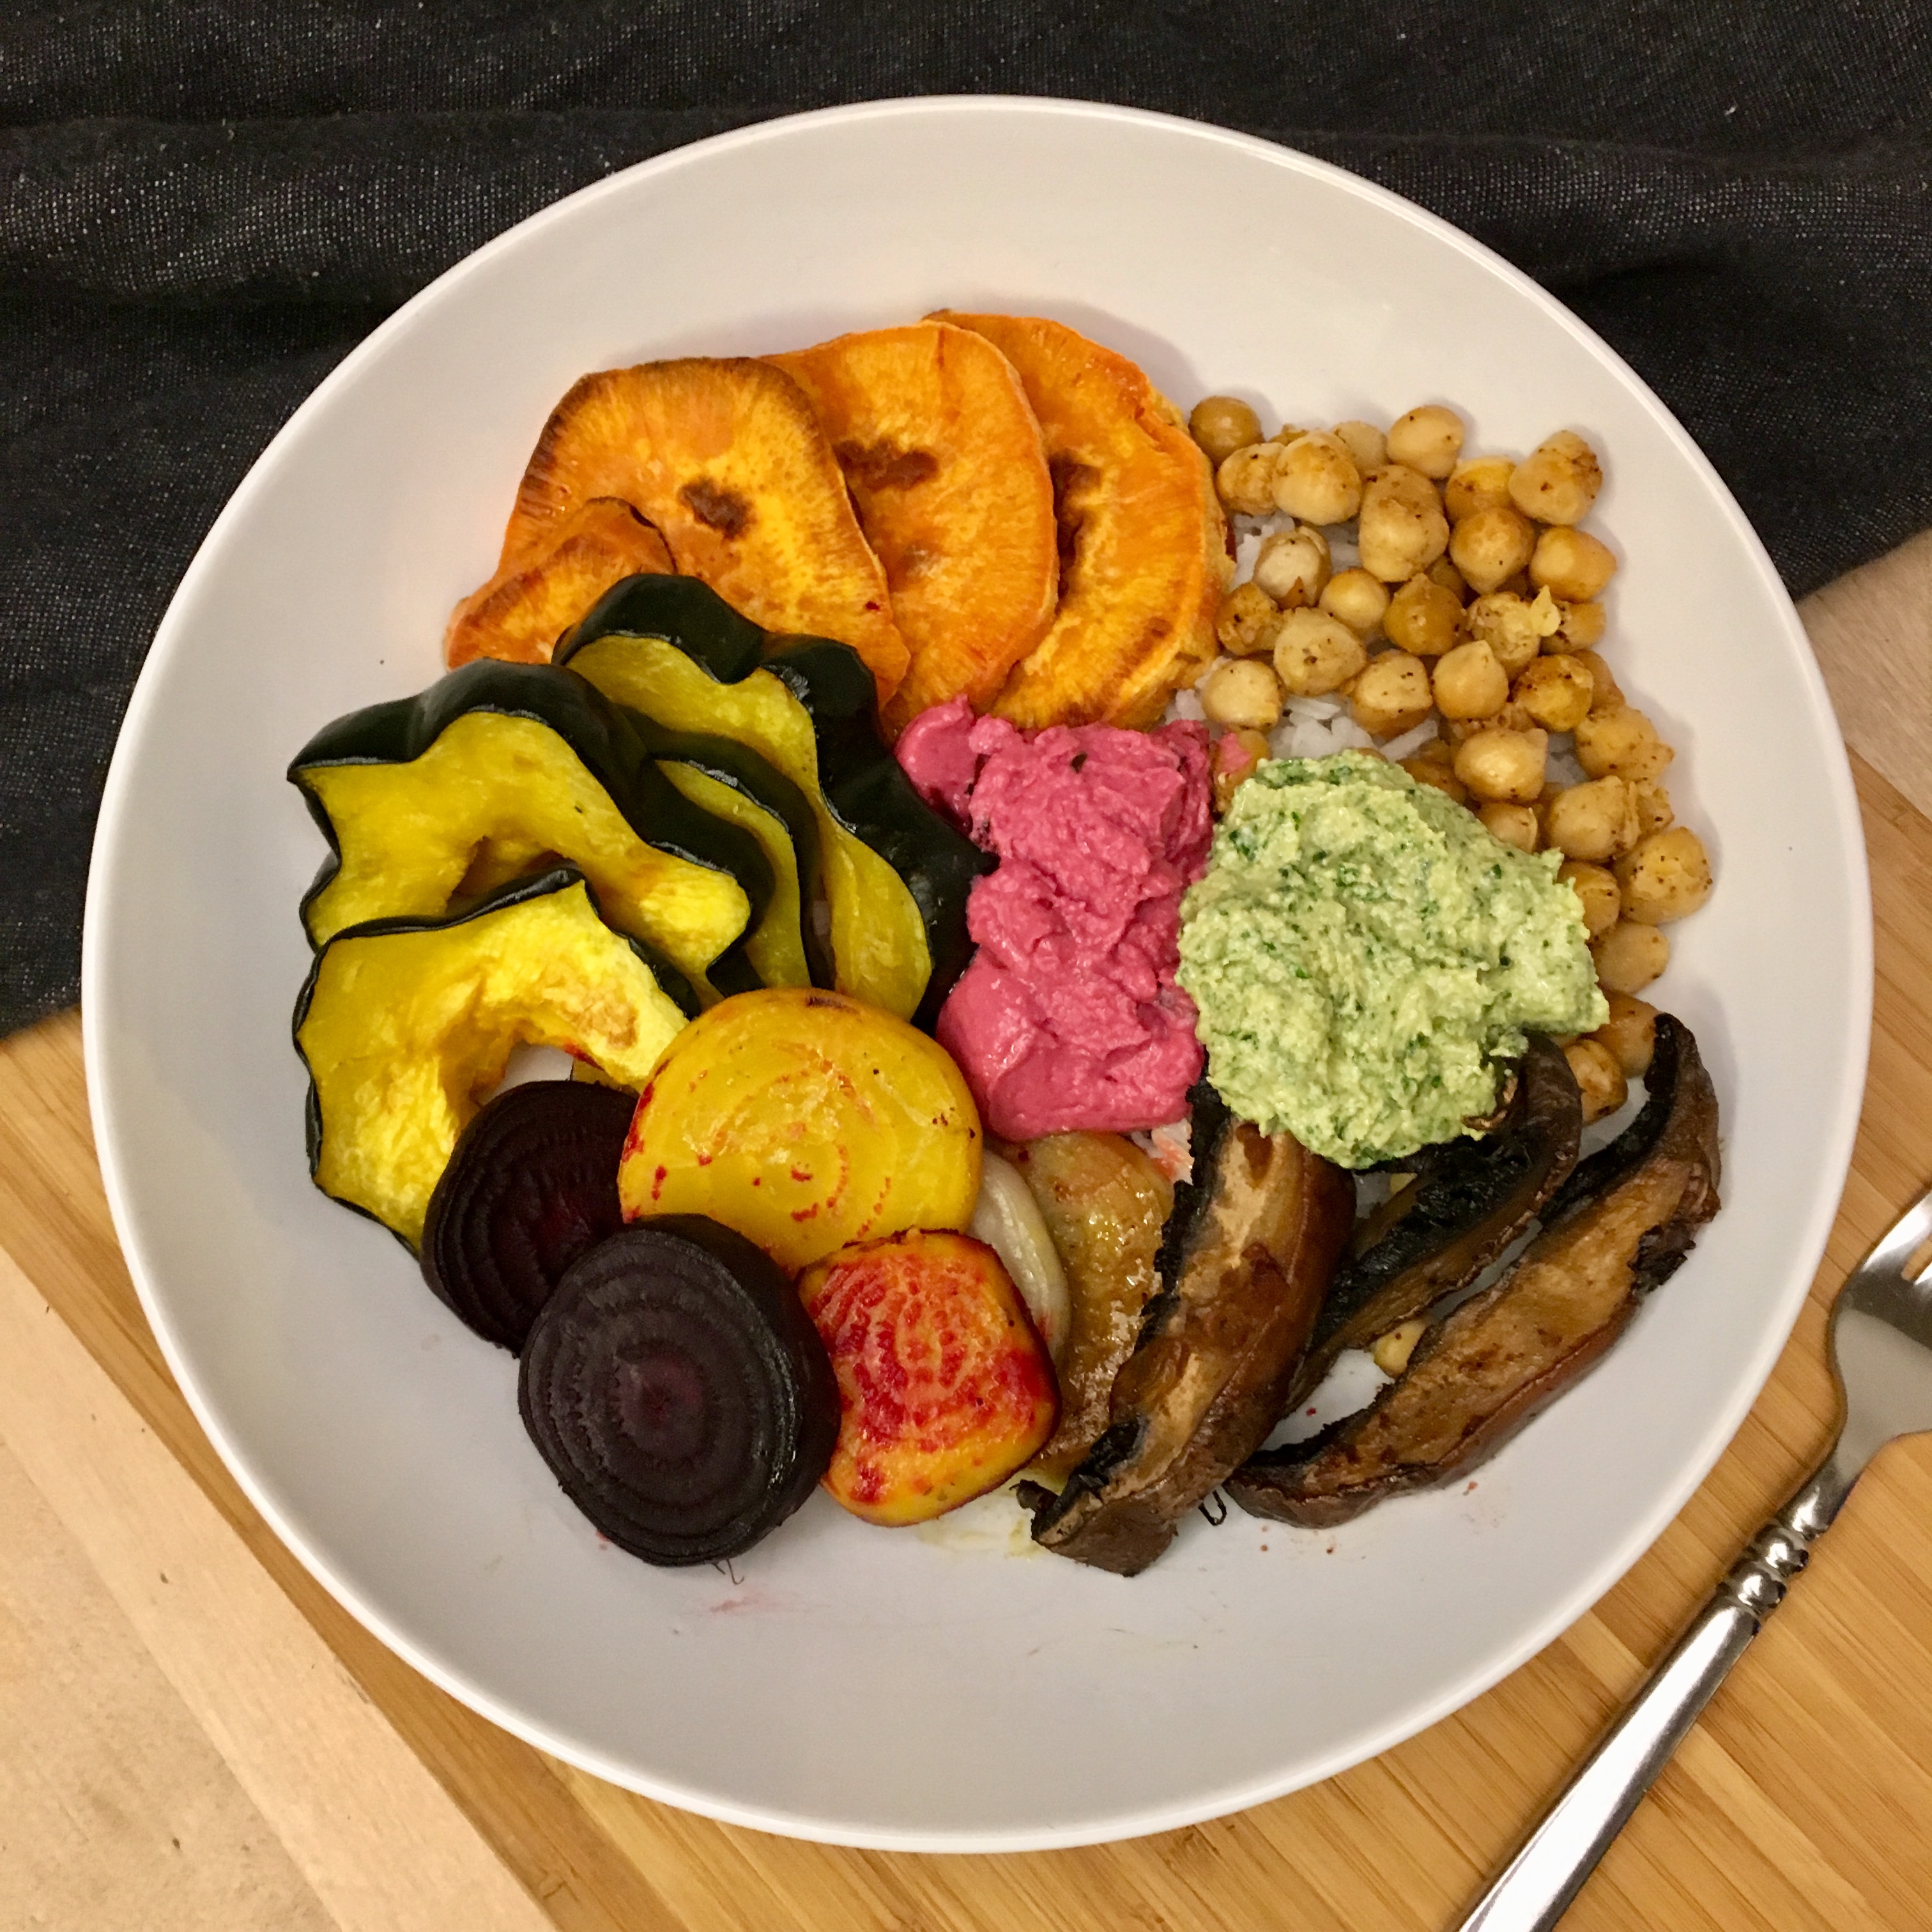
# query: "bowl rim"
[1835,1126]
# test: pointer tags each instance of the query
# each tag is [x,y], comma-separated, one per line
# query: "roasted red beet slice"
[531,1186]
[678,1391]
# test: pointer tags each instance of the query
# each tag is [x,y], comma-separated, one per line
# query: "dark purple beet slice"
[532,1185]
[678,1391]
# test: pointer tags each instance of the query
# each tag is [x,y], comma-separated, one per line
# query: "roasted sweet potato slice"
[942,453]
[1143,545]
[535,597]
[726,459]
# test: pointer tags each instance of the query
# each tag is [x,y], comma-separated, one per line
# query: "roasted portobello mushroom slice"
[1465,1207]
[1248,1253]
[1485,1369]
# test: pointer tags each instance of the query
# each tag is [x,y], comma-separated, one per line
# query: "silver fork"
[1881,1356]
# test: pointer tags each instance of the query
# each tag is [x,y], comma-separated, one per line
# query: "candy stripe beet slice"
[678,1391]
[531,1186]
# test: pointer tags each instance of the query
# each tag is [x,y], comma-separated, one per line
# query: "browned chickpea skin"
[1357,599]
[1242,691]
[1245,480]
[1606,694]
[1629,1033]
[1513,824]
[1316,480]
[1622,740]
[1558,481]
[1489,546]
[1365,443]
[1434,766]
[1222,425]
[1600,1078]
[1390,695]
[1583,625]
[1595,820]
[1469,683]
[1596,886]
[1315,654]
[1424,619]
[1502,765]
[1246,624]
[1555,690]
[1477,483]
[1571,565]
[1401,530]
[1292,565]
[1664,877]
[1445,573]
[1238,757]
[1629,956]
[1652,803]
[1428,439]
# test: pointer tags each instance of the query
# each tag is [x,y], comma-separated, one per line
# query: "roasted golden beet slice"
[680,1392]
[942,453]
[1143,544]
[535,597]
[532,1185]
[726,459]
[945,1388]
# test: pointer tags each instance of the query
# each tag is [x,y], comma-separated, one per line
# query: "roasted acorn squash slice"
[535,597]
[1143,543]
[942,456]
[498,768]
[726,459]
[406,1026]
[896,874]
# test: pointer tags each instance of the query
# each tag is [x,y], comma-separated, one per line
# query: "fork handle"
[1536,1889]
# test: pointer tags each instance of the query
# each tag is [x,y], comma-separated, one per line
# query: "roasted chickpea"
[1316,480]
[1403,530]
[1391,696]
[1571,565]
[1513,824]
[1596,885]
[1582,625]
[1630,955]
[1488,547]
[1292,565]
[1238,757]
[1600,1078]
[1509,625]
[1629,1033]
[1391,1351]
[1222,425]
[1357,599]
[1606,694]
[1428,439]
[1242,691]
[1622,740]
[1365,443]
[1555,690]
[1434,765]
[1443,572]
[1287,434]
[1469,683]
[1595,821]
[1478,483]
[1664,877]
[1315,654]
[1423,618]
[1245,480]
[1246,622]
[1559,481]
[1502,765]
[1652,803]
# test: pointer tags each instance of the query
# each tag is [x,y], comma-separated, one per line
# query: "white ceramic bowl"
[886,1688]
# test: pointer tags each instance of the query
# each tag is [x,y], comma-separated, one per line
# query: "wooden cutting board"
[193,1736]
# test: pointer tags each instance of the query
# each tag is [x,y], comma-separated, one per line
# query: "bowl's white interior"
[893,1687]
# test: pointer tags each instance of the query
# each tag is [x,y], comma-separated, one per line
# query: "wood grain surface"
[192,1735]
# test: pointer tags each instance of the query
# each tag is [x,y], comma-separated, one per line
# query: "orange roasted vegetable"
[1143,543]
[725,456]
[535,597]
[804,1120]
[942,456]
[944,1390]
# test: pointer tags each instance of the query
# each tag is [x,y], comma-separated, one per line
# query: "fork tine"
[1902,1239]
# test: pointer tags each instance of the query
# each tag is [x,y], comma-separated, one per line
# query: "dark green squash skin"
[677,988]
[864,787]
[603,737]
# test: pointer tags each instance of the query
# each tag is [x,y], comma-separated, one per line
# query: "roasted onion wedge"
[1484,1369]
[1250,1248]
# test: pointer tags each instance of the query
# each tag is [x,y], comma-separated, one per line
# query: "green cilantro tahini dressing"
[1363,952]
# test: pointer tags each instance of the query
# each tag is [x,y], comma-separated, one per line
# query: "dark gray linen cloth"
[205,203]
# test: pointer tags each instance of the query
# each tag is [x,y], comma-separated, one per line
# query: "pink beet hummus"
[1069,1015]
